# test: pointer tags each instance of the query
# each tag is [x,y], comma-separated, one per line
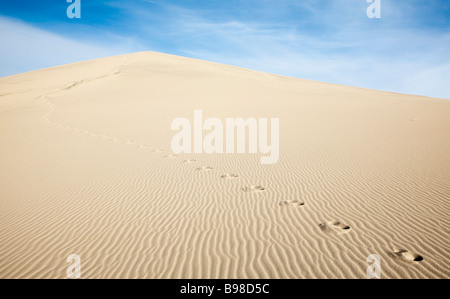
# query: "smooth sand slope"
[86,168]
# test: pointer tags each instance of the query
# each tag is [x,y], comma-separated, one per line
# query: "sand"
[86,168]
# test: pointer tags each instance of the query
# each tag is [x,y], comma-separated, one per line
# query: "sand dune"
[87,169]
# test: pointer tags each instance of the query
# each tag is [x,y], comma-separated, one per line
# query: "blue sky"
[407,50]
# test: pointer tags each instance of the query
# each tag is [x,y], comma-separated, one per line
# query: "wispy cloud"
[334,41]
[343,45]
[25,48]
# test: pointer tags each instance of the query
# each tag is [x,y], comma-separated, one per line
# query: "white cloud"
[331,41]
[363,53]
[25,48]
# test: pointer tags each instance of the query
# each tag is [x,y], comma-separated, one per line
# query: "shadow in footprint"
[229,176]
[294,202]
[409,256]
[335,227]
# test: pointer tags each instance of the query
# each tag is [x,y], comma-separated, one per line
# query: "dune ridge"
[87,169]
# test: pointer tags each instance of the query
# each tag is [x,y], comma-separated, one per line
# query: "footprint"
[207,168]
[253,189]
[229,176]
[189,161]
[413,257]
[142,146]
[170,156]
[335,227]
[293,202]
[157,150]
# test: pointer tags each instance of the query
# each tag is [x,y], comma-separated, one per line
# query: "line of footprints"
[228,176]
[330,227]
